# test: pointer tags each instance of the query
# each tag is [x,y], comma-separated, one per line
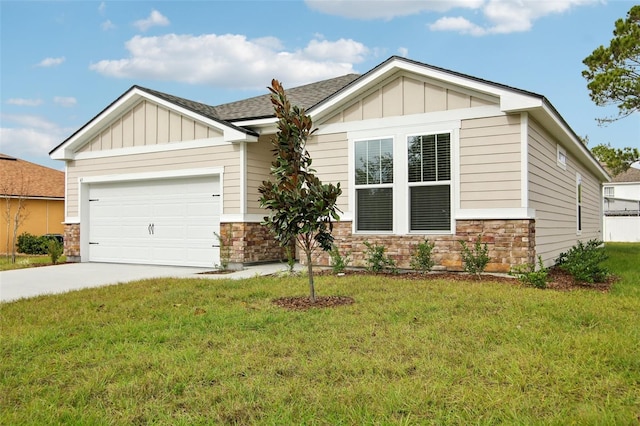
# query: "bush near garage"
[34,244]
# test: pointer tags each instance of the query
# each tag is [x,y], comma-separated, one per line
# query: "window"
[609,191]
[579,203]
[374,184]
[429,167]
[561,157]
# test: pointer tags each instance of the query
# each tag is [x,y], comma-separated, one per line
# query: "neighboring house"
[420,152]
[40,188]
[622,207]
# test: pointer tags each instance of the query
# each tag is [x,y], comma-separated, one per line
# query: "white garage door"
[160,222]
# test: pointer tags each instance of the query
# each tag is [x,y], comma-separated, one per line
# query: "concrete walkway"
[30,282]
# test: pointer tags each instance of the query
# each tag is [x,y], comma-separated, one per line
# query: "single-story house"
[420,152]
[40,189]
[622,207]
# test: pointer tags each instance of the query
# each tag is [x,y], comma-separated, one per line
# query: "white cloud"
[64,101]
[24,102]
[102,8]
[33,136]
[232,61]
[506,16]
[155,19]
[387,9]
[403,51]
[107,25]
[458,24]
[498,16]
[51,62]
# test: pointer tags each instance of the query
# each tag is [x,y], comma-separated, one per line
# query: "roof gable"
[22,178]
[197,111]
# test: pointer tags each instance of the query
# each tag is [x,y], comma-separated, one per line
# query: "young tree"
[617,160]
[613,72]
[14,191]
[301,206]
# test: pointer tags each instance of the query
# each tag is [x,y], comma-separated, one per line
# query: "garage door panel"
[165,222]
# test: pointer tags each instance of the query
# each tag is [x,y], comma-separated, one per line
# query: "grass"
[176,351]
[24,261]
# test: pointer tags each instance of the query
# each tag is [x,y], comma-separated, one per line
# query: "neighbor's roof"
[631,175]
[22,178]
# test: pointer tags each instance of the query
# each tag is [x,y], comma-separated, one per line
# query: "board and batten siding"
[404,95]
[490,163]
[553,195]
[148,124]
[226,156]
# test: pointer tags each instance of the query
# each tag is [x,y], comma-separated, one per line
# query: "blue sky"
[63,62]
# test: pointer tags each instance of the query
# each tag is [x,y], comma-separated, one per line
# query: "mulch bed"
[559,281]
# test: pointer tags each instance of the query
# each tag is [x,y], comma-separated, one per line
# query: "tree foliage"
[617,160]
[300,206]
[613,72]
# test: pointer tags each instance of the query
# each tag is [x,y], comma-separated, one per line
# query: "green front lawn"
[24,261]
[411,352]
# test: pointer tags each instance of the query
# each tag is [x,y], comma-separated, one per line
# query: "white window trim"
[561,157]
[611,191]
[353,196]
[400,172]
[579,210]
[430,183]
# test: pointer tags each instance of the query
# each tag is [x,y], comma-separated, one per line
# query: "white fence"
[622,228]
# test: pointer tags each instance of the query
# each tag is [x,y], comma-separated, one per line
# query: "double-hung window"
[429,167]
[374,184]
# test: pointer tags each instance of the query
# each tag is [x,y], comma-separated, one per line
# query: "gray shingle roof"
[631,175]
[303,96]
[260,106]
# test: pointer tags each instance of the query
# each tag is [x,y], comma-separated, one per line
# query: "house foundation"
[510,242]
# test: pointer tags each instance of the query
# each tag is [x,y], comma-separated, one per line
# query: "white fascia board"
[576,146]
[516,102]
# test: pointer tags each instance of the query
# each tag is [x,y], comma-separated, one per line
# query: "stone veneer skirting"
[510,242]
[250,243]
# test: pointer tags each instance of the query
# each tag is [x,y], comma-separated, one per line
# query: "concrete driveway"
[30,282]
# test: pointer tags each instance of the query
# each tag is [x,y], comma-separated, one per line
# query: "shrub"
[54,249]
[376,260]
[421,259]
[32,244]
[529,276]
[582,262]
[339,262]
[475,259]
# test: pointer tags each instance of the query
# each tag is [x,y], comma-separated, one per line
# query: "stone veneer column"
[72,242]
[510,243]
[250,243]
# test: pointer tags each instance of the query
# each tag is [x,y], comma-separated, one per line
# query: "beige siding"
[259,158]
[148,124]
[552,193]
[404,96]
[330,160]
[330,155]
[490,163]
[226,156]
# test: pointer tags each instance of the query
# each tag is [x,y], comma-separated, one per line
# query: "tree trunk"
[312,290]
